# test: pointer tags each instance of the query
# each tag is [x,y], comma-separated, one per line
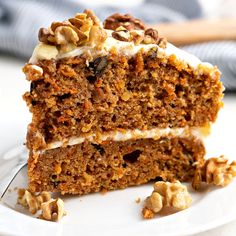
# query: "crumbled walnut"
[153,53]
[77,22]
[136,37]
[92,15]
[148,40]
[155,202]
[53,210]
[175,194]
[32,201]
[65,32]
[166,194]
[43,197]
[151,36]
[65,35]
[97,37]
[26,199]
[121,35]
[162,42]
[44,35]
[215,171]
[127,21]
[83,29]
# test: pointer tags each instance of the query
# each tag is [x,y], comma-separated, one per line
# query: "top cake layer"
[91,79]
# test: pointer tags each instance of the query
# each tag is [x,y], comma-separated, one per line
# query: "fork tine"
[20,168]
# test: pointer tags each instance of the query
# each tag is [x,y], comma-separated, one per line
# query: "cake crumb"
[147,213]
[104,191]
[166,195]
[138,200]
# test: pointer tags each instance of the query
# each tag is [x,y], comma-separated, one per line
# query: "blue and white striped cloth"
[20,21]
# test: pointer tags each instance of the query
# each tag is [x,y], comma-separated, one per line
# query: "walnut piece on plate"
[32,201]
[216,171]
[173,195]
[52,209]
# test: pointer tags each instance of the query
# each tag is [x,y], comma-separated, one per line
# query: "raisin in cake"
[114,105]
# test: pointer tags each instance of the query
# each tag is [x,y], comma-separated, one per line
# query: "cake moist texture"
[90,167]
[114,105]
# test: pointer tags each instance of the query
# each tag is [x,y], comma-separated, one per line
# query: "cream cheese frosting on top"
[43,51]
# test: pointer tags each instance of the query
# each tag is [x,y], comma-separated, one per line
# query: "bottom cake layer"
[89,167]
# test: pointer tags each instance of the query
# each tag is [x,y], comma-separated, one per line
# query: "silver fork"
[11,163]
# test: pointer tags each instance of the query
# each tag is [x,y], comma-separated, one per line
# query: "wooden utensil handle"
[198,31]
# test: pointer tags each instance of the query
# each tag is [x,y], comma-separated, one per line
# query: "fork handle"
[198,31]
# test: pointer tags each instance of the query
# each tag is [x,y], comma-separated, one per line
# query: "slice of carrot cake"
[114,105]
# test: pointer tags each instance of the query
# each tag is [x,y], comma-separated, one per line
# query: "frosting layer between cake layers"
[125,135]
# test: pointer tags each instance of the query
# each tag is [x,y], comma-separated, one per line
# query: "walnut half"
[83,29]
[127,21]
[166,194]
[216,171]
[52,209]
[32,201]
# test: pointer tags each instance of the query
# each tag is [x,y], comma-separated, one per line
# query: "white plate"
[116,212]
